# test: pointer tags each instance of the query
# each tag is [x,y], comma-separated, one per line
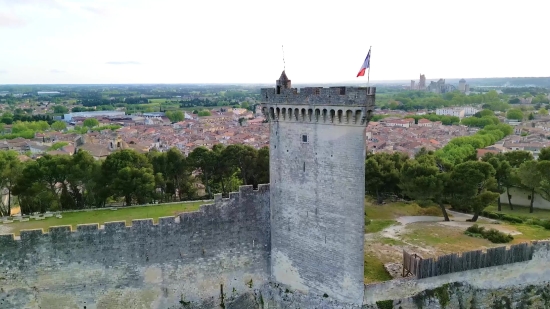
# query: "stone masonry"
[197,257]
[317,159]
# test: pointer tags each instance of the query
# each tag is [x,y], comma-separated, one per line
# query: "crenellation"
[167,221]
[115,226]
[87,228]
[349,96]
[234,196]
[248,189]
[59,230]
[31,235]
[139,224]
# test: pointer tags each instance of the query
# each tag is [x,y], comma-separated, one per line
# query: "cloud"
[11,21]
[46,3]
[122,62]
[56,71]
[3,71]
[96,10]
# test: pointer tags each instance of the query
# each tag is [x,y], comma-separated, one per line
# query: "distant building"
[469,111]
[69,117]
[412,85]
[440,87]
[422,83]
[462,85]
[457,112]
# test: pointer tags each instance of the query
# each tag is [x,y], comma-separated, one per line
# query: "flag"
[365,66]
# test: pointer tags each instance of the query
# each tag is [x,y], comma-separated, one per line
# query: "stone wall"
[517,279]
[317,205]
[190,258]
[350,96]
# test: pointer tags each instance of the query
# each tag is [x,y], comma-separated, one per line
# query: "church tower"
[317,186]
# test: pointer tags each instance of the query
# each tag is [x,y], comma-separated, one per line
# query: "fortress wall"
[184,258]
[317,224]
[535,272]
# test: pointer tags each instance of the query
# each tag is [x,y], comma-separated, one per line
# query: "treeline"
[64,182]
[450,175]
[445,120]
[9,118]
[114,100]
[469,186]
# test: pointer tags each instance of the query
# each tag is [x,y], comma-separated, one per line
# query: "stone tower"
[317,170]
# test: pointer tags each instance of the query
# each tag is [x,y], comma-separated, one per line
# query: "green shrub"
[497,237]
[491,215]
[503,217]
[475,229]
[512,219]
[491,235]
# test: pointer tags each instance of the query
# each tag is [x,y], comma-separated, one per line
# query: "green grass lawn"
[377,225]
[374,270]
[102,216]
[391,211]
[521,211]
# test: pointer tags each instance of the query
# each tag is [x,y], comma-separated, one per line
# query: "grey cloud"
[11,21]
[56,71]
[3,71]
[122,62]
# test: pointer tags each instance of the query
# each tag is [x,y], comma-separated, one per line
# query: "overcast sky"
[239,41]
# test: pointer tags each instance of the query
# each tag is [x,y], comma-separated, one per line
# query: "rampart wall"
[477,288]
[222,249]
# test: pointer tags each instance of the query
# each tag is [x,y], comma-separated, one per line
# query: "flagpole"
[368,73]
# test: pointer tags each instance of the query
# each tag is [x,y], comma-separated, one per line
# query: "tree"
[544,154]
[530,178]
[518,157]
[60,109]
[543,112]
[204,113]
[468,186]
[90,123]
[515,114]
[120,168]
[202,159]
[424,181]
[175,116]
[382,172]
[10,169]
[503,171]
[531,116]
[59,125]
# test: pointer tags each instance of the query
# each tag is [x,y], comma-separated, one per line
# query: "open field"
[399,226]
[101,216]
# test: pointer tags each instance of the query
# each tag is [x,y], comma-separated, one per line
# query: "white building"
[457,112]
[69,117]
[470,111]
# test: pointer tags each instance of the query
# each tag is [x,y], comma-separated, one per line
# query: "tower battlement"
[340,96]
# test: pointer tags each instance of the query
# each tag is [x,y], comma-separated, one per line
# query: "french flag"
[365,66]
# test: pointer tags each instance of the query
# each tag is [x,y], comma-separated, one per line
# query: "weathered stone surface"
[144,265]
[317,159]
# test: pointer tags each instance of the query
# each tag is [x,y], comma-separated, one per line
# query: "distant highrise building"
[462,85]
[412,85]
[422,83]
[467,88]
